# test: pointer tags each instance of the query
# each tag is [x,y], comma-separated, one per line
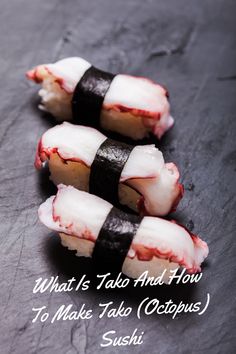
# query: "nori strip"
[114,240]
[106,169]
[89,95]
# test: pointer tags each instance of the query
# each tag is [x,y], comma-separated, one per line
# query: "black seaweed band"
[114,240]
[89,95]
[106,169]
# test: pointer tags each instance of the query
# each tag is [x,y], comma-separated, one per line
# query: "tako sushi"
[135,176]
[73,89]
[119,241]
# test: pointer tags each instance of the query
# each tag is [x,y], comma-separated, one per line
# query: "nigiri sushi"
[117,240]
[73,89]
[135,176]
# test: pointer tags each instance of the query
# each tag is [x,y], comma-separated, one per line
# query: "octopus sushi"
[73,89]
[134,176]
[118,241]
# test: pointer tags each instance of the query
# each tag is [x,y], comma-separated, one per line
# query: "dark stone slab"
[189,46]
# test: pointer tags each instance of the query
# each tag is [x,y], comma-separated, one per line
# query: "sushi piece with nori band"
[131,106]
[114,240]
[157,245]
[146,185]
[106,169]
[88,96]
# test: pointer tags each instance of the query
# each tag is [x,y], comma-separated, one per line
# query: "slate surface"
[189,46]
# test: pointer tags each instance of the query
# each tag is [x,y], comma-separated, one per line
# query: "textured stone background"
[187,45]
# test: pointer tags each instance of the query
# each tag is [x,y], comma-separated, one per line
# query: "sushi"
[73,89]
[134,176]
[118,241]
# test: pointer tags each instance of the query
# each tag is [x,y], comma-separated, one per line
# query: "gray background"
[188,46]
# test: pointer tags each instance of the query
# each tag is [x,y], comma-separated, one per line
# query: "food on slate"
[136,176]
[120,241]
[74,89]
